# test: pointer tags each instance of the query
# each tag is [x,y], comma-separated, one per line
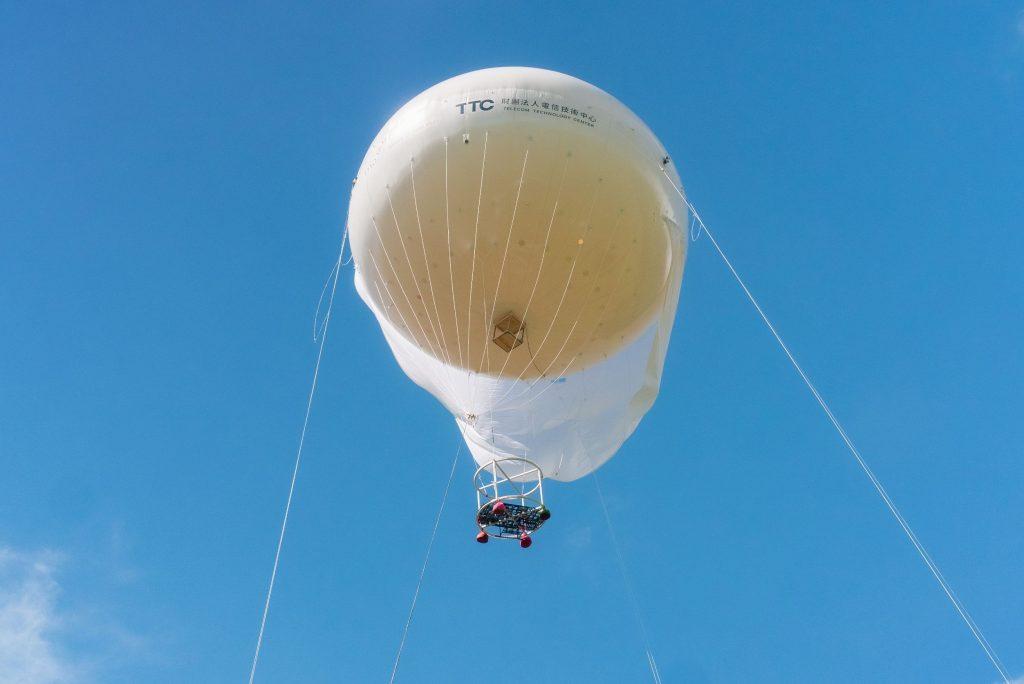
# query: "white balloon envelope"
[517,240]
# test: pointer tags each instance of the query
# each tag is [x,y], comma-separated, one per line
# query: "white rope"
[472,374]
[651,662]
[568,282]
[412,271]
[911,536]
[451,270]
[430,280]
[543,255]
[534,353]
[434,352]
[426,262]
[504,255]
[452,395]
[298,460]
[472,272]
[423,570]
[317,323]
[615,290]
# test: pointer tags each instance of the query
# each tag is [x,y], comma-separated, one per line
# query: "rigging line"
[412,271]
[426,262]
[423,246]
[426,265]
[426,559]
[568,283]
[451,271]
[401,288]
[405,323]
[590,227]
[600,266]
[593,201]
[586,300]
[500,404]
[508,240]
[543,253]
[533,357]
[485,355]
[470,373]
[561,373]
[317,325]
[476,230]
[611,295]
[452,395]
[298,460]
[554,319]
[558,308]
[651,662]
[318,329]
[876,483]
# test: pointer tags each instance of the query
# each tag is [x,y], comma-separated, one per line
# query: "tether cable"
[876,483]
[423,569]
[298,456]
[634,602]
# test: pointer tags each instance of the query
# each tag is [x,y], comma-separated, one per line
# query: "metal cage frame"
[522,492]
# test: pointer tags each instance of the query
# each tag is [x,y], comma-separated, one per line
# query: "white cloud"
[47,637]
[30,620]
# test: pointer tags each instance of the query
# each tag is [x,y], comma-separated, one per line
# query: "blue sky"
[173,182]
